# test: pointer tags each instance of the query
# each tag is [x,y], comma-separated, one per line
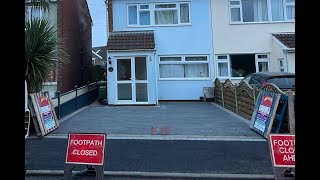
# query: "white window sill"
[184,79]
[267,22]
[231,78]
[162,25]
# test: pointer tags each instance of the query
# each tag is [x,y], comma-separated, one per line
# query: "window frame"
[258,60]
[285,5]
[29,8]
[261,22]
[144,10]
[183,62]
[138,15]
[152,9]
[228,65]
[283,67]
[233,7]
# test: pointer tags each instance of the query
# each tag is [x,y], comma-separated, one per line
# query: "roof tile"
[131,40]
[286,39]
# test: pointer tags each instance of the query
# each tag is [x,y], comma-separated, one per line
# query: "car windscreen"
[283,82]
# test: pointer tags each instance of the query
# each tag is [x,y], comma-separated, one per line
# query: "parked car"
[283,80]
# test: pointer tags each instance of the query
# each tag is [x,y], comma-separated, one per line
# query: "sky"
[98,14]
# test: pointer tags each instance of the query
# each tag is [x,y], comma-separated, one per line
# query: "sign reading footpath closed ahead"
[282,150]
[86,149]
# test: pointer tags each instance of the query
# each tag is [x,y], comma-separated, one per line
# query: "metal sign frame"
[92,168]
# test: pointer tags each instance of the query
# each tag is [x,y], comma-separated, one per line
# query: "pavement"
[201,140]
[182,118]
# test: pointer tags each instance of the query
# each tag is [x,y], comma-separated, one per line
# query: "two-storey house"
[252,36]
[158,50]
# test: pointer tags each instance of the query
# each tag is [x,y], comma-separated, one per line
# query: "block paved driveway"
[180,118]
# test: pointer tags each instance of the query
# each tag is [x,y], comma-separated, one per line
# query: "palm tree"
[42,50]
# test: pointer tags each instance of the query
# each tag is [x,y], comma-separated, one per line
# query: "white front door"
[132,80]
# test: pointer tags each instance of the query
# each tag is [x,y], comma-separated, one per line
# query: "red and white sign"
[86,149]
[282,150]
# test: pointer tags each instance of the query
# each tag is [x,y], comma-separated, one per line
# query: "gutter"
[286,51]
[286,55]
[289,50]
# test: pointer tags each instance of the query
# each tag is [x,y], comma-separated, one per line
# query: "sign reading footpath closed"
[85,149]
[282,151]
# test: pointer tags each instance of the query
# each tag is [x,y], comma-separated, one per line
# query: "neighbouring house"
[73,23]
[158,50]
[252,36]
[283,50]
[99,56]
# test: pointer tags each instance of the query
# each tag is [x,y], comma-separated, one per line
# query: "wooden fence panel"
[218,92]
[245,100]
[229,96]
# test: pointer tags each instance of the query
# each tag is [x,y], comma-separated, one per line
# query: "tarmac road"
[215,157]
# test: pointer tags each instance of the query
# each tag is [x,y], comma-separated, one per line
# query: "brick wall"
[74,31]
[110,15]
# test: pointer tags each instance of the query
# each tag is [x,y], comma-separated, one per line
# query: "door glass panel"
[141,92]
[263,66]
[123,69]
[124,92]
[141,68]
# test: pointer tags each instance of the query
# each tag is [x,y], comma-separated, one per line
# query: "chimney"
[110,15]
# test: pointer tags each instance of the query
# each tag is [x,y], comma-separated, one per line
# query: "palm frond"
[41,46]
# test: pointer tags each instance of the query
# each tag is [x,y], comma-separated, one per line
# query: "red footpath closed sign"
[86,149]
[282,150]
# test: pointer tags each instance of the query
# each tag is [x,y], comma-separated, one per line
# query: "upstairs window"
[158,14]
[173,13]
[254,10]
[246,11]
[290,9]
[139,14]
[166,14]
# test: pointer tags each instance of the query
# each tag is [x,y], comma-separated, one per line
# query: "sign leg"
[279,173]
[99,172]
[68,171]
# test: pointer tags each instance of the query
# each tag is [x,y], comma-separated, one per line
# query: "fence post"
[236,97]
[222,94]
[58,94]
[254,96]
[291,113]
[76,87]
[88,94]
